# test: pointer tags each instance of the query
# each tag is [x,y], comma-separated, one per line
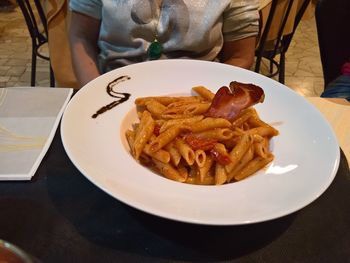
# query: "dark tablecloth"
[60,216]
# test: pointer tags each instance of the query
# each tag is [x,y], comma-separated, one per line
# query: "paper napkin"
[29,117]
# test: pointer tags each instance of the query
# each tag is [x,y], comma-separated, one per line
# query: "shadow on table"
[195,242]
[106,222]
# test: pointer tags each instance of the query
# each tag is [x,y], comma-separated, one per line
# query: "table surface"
[60,216]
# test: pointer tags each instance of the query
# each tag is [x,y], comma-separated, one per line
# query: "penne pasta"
[164,138]
[196,108]
[255,121]
[220,134]
[180,122]
[160,155]
[260,149]
[168,171]
[200,158]
[185,151]
[204,170]
[222,155]
[243,117]
[175,156]
[220,174]
[165,100]
[248,156]
[143,133]
[176,110]
[173,116]
[183,171]
[145,159]
[204,92]
[209,123]
[155,108]
[253,166]
[264,131]
[130,137]
[238,151]
[176,138]
[181,104]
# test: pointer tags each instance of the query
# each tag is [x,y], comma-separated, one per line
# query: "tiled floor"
[303,62]
[303,67]
[15,52]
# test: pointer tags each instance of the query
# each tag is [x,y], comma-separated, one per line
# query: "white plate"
[306,151]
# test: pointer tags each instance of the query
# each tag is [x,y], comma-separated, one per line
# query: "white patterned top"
[185,28]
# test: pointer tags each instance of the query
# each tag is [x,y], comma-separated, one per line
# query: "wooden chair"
[38,35]
[274,48]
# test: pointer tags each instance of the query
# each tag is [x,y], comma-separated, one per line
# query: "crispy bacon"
[229,102]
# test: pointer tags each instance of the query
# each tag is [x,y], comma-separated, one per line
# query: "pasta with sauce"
[185,139]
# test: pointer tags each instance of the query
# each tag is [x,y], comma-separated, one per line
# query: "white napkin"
[29,117]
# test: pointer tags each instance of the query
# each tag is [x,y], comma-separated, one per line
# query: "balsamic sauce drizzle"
[122,97]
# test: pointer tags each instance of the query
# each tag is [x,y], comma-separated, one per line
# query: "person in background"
[108,34]
[334,46]
[340,87]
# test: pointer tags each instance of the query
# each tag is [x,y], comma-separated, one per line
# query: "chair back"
[276,32]
[35,19]
[333,31]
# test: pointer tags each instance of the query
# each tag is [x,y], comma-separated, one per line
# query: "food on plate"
[229,102]
[206,139]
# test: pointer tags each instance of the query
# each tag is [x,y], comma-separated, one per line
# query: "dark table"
[60,216]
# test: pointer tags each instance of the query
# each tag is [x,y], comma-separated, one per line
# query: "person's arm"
[239,53]
[83,36]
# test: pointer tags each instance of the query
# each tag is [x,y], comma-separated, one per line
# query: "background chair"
[275,37]
[38,35]
[333,31]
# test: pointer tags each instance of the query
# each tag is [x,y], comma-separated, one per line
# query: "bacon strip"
[229,102]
